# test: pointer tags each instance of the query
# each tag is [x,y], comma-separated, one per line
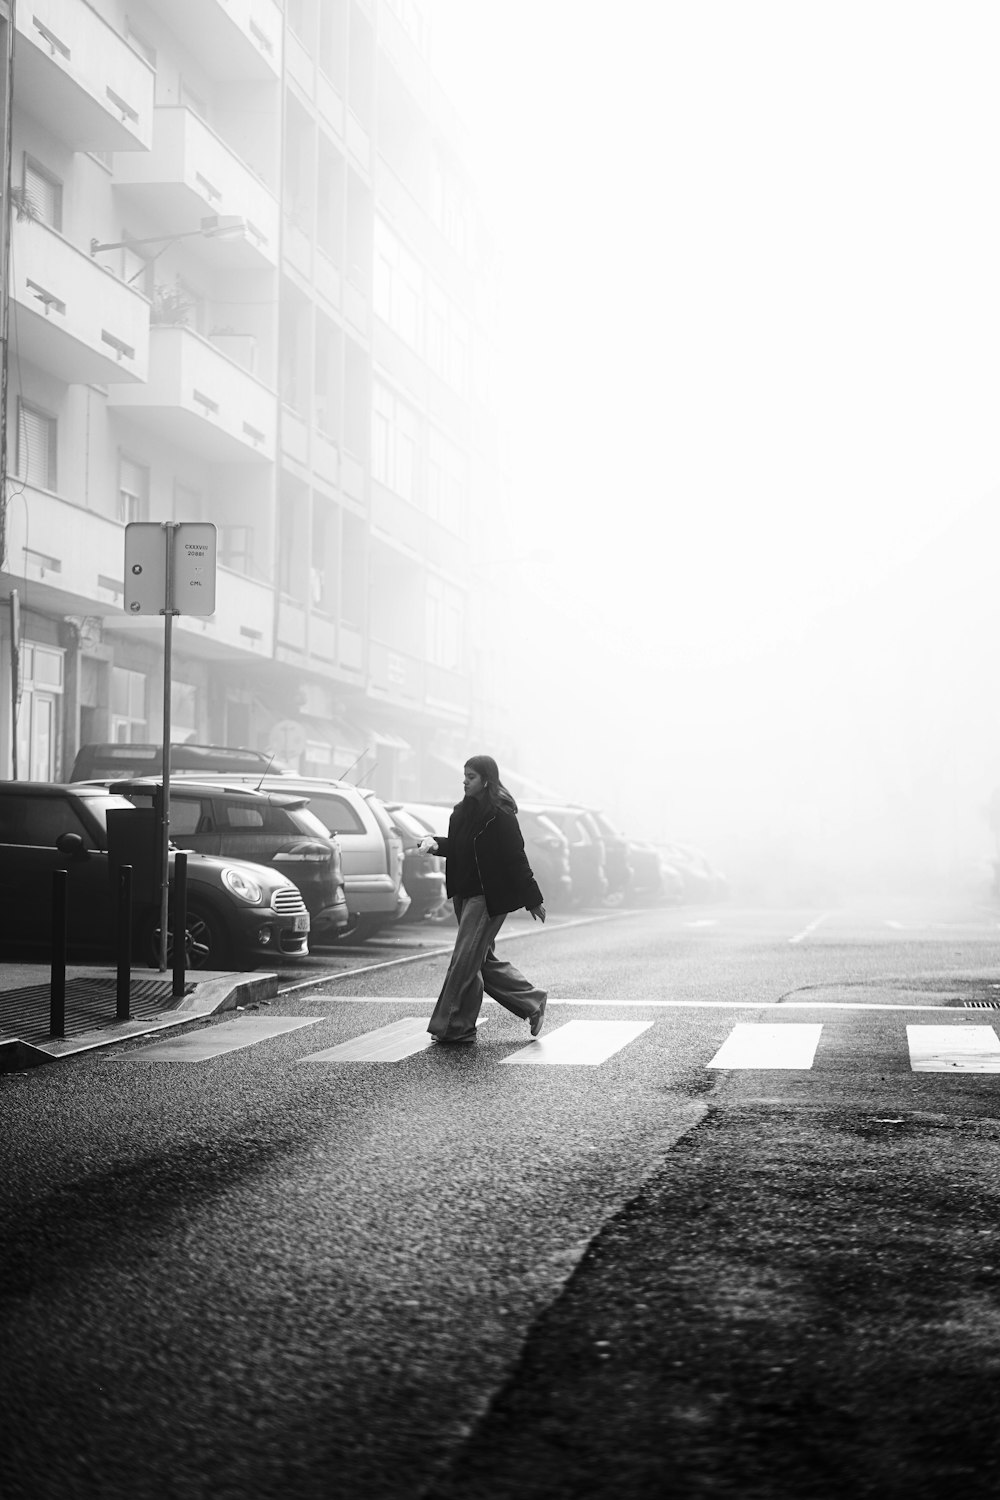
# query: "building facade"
[247,284]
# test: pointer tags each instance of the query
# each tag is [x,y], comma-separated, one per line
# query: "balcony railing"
[233,39]
[190,175]
[243,621]
[198,398]
[81,78]
[71,316]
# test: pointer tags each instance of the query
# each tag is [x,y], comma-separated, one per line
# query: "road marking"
[213,1041]
[953,1049]
[776,1006]
[581,1043]
[799,936]
[388,1044]
[758,1045]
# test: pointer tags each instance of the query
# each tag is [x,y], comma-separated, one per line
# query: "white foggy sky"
[751,262]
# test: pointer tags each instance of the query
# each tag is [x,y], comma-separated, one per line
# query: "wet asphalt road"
[254,1276]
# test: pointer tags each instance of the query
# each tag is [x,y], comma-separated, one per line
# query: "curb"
[207,999]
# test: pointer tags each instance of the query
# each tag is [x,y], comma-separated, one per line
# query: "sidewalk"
[91,1005]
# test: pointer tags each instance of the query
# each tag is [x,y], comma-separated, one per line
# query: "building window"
[38,712]
[444,624]
[398,290]
[183,711]
[44,192]
[395,433]
[128,705]
[133,491]
[37,432]
[447,483]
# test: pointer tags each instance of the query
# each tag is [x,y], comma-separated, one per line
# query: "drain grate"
[981,1004]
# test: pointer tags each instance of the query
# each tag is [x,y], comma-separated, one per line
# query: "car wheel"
[207,945]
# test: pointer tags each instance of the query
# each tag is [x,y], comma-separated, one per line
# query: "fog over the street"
[748,260]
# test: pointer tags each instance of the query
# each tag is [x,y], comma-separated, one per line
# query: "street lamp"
[211,228]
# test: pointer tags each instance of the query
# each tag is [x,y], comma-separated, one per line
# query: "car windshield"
[99,807]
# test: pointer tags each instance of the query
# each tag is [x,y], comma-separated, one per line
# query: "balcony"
[80,78]
[243,623]
[74,557]
[190,174]
[232,39]
[201,401]
[72,317]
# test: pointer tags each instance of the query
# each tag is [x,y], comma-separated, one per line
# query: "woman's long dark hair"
[495,798]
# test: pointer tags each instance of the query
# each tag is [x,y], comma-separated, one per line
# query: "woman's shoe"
[537,1021]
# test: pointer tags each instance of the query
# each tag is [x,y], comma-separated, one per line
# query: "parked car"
[546,847]
[702,882]
[115,761]
[371,850]
[239,915]
[586,852]
[617,863]
[423,874]
[265,827]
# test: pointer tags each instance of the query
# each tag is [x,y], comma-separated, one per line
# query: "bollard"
[180,922]
[57,982]
[124,985]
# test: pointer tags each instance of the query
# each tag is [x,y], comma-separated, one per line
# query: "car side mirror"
[70,843]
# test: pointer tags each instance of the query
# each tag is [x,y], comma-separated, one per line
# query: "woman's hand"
[537,913]
[427,845]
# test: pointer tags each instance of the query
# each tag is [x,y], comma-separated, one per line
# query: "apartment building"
[248,284]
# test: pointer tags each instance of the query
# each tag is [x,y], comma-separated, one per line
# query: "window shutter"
[45,194]
[37,451]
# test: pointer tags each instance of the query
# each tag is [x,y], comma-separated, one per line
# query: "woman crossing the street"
[487,875]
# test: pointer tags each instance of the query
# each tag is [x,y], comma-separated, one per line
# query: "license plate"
[301,922]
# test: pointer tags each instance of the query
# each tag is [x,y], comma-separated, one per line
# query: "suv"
[115,761]
[371,850]
[238,915]
[268,828]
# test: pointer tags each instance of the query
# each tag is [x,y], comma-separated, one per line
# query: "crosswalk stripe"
[586,1043]
[213,1041]
[953,1049]
[753,1045]
[387,1044]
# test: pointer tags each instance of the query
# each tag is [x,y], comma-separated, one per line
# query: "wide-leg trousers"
[475,968]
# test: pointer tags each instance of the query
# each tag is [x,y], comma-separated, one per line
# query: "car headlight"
[243,886]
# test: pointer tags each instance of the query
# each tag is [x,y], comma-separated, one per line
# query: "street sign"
[193,570]
[169,570]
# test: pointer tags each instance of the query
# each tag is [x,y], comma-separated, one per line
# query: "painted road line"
[953,1049]
[580,1043]
[387,1044]
[775,1006]
[213,1041]
[801,936]
[753,1045]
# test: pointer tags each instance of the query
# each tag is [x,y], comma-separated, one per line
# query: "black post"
[57,983]
[124,987]
[180,921]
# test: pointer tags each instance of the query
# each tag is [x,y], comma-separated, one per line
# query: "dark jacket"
[504,872]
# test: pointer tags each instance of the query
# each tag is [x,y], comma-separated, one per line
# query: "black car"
[423,874]
[265,827]
[239,915]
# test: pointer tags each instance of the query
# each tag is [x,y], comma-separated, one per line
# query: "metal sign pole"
[169,529]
